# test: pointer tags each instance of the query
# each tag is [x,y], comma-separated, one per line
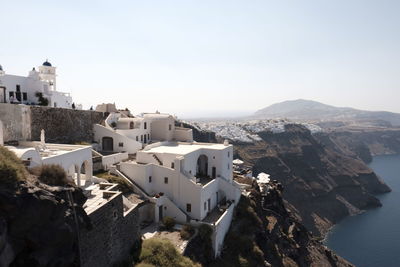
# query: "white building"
[76,160]
[196,177]
[23,90]
[121,133]
[188,181]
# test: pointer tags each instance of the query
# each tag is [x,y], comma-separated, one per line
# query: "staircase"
[157,159]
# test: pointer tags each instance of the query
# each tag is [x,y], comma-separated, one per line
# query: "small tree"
[42,101]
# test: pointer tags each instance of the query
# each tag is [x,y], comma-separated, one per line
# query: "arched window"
[131,125]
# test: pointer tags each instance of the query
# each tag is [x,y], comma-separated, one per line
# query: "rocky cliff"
[38,224]
[265,233]
[323,184]
[362,143]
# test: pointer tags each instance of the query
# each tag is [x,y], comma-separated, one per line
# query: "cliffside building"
[121,133]
[22,90]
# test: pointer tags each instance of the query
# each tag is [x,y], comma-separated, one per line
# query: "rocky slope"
[264,233]
[322,184]
[37,224]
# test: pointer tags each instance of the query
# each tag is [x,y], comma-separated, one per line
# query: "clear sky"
[210,57]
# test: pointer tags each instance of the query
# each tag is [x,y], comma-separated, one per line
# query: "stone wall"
[113,237]
[64,126]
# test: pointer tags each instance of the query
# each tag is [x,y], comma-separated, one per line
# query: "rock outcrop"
[38,225]
[265,233]
[323,184]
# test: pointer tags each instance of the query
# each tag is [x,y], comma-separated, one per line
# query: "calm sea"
[372,239]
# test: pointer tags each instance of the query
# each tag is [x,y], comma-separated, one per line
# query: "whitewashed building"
[24,89]
[188,181]
[121,133]
[76,160]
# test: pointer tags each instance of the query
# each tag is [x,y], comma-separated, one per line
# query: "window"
[189,207]
[121,144]
[24,96]
[172,165]
[18,88]
[131,125]
[145,125]
[11,94]
[205,205]
[170,127]
[149,179]
[137,138]
[165,180]
[148,137]
[141,138]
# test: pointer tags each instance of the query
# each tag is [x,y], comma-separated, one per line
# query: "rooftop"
[50,150]
[97,196]
[183,148]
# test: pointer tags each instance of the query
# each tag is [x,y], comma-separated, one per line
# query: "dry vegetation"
[161,252]
[12,170]
[123,185]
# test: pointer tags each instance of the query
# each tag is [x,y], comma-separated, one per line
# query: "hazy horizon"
[210,58]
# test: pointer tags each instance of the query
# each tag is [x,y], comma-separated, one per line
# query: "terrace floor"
[214,215]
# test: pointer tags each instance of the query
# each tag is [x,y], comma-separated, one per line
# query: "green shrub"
[168,222]
[161,252]
[42,101]
[12,169]
[187,231]
[51,175]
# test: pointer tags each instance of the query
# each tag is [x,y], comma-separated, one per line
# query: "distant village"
[172,175]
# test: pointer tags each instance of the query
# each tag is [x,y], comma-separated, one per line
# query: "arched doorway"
[202,166]
[108,144]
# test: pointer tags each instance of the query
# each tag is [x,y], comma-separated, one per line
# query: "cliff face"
[265,233]
[363,143]
[323,184]
[37,225]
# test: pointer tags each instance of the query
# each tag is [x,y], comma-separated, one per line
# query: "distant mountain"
[315,111]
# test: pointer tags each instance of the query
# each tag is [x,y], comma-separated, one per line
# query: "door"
[2,95]
[160,213]
[214,172]
[108,144]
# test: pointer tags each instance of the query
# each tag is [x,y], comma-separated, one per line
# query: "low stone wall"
[66,126]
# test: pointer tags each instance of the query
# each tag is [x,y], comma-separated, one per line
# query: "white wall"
[108,161]
[220,230]
[183,134]
[129,145]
